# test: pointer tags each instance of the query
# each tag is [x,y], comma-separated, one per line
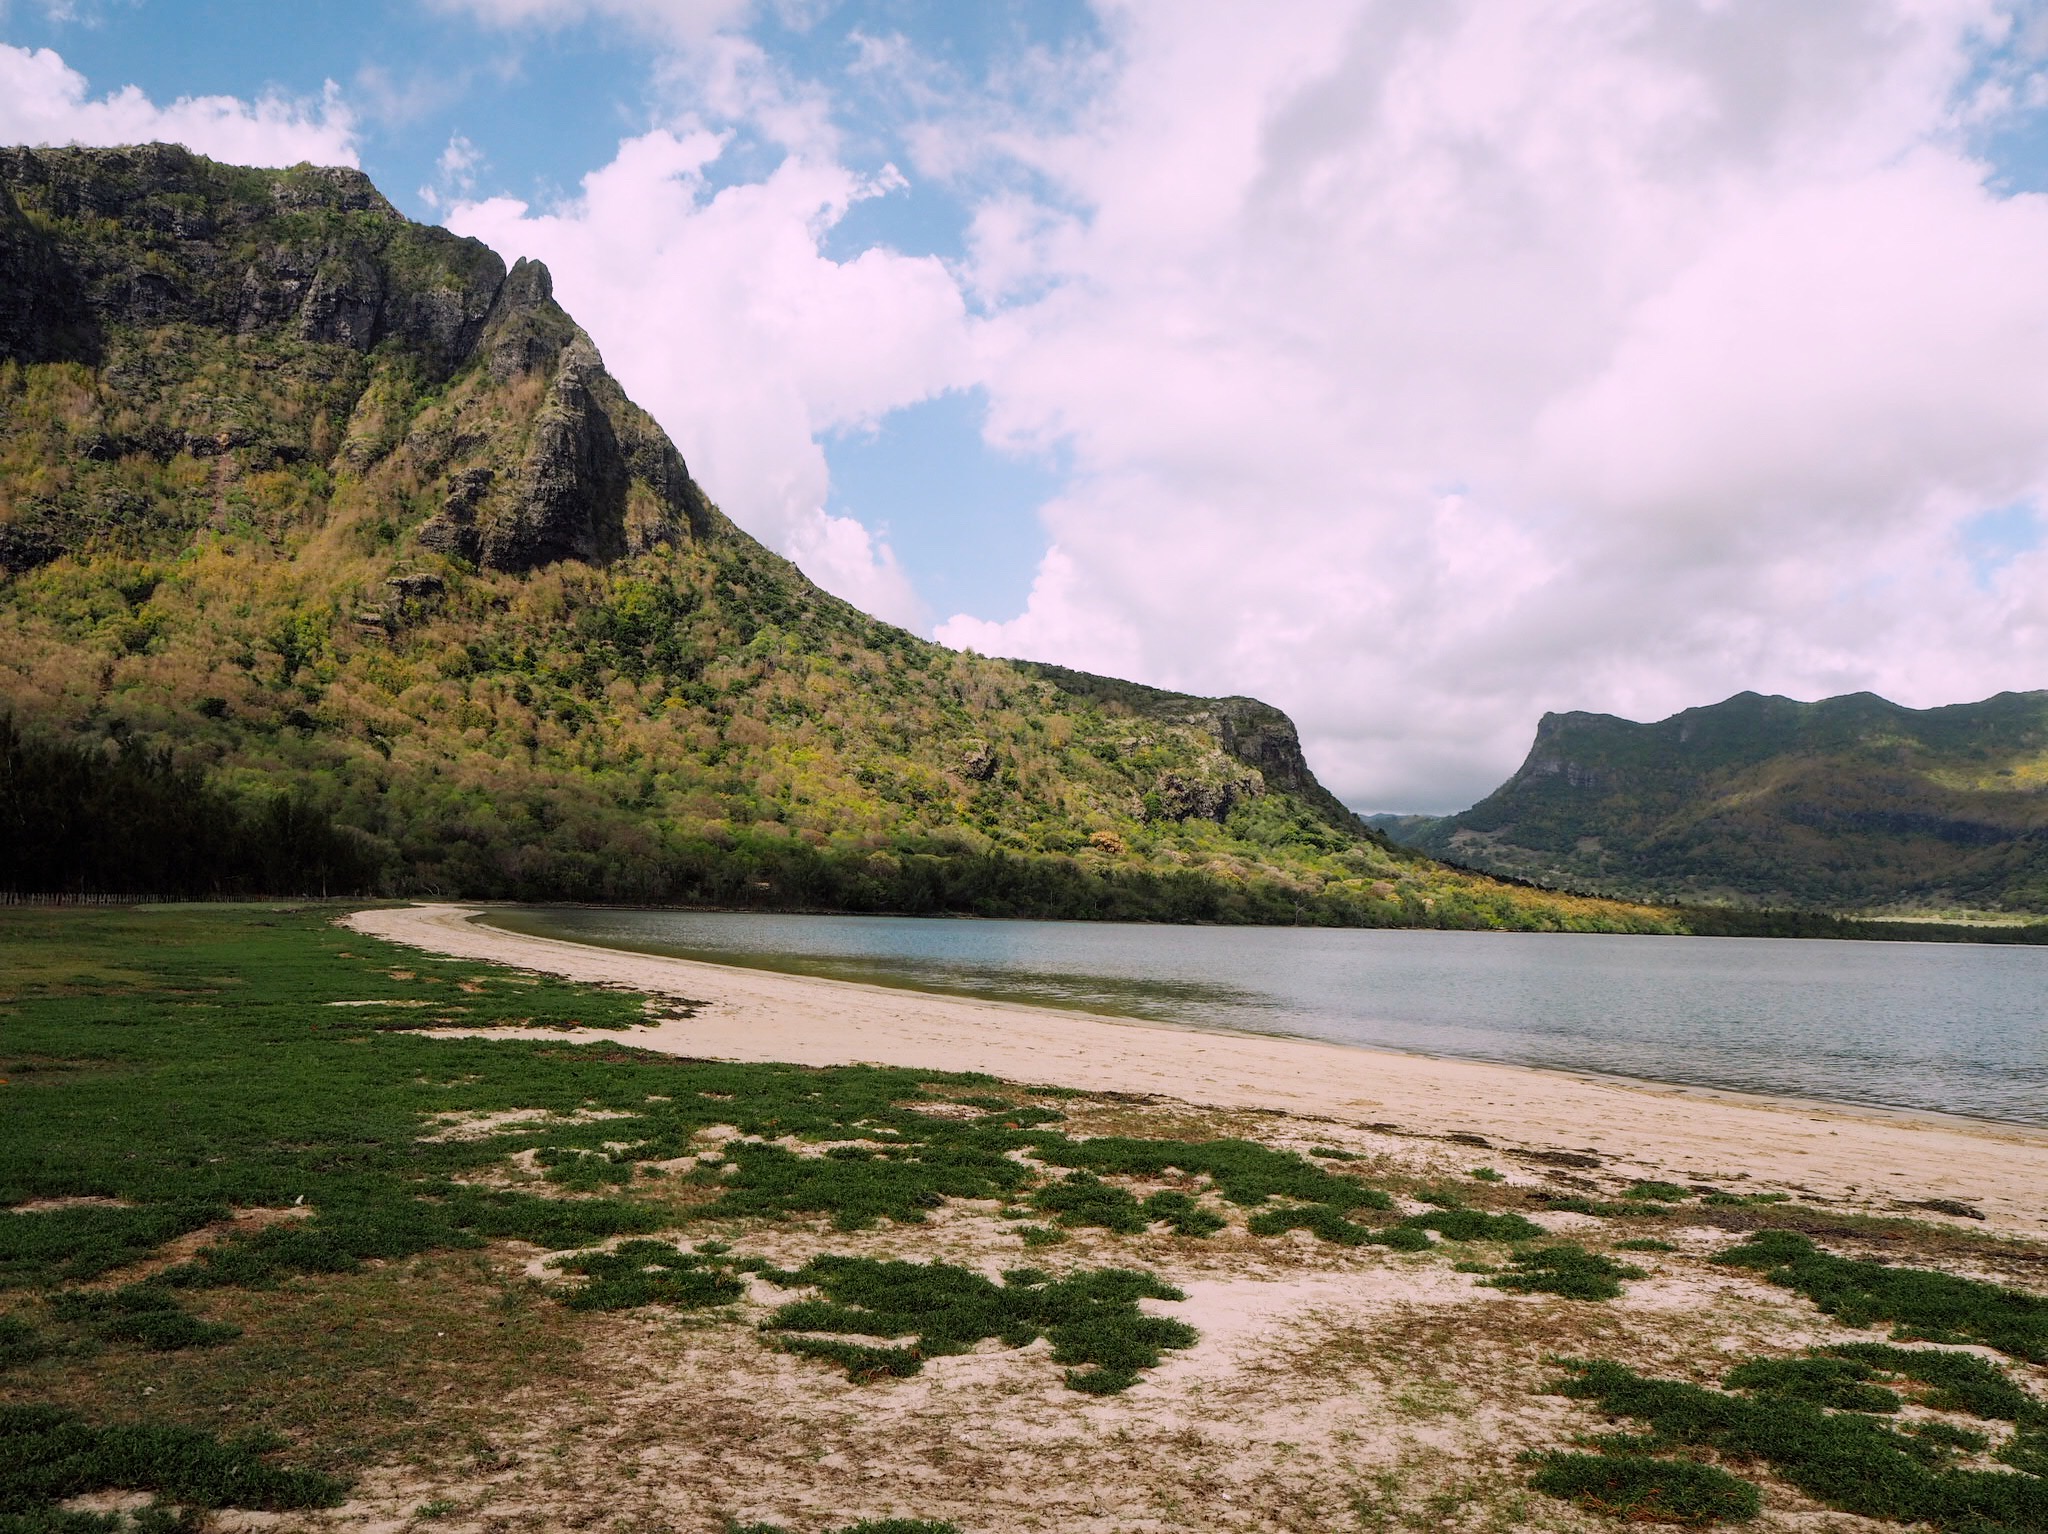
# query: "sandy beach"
[1867,1159]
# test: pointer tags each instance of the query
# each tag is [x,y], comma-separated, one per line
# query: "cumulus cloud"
[719,311]
[45,101]
[1427,367]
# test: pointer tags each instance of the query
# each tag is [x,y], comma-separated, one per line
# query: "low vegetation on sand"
[1830,1424]
[271,1240]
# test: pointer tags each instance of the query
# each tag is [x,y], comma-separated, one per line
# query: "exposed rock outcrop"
[421,342]
[1254,733]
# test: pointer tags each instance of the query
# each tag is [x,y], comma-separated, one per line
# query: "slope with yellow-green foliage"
[317,499]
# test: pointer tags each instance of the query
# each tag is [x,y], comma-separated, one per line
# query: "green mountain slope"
[317,500]
[1851,803]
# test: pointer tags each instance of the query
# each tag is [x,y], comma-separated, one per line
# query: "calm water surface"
[1952,1028]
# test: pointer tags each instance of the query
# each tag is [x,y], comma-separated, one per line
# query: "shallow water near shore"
[1945,1028]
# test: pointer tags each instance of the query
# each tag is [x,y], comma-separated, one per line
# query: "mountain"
[1849,804]
[1404,829]
[299,498]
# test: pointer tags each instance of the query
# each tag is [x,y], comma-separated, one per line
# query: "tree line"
[124,818]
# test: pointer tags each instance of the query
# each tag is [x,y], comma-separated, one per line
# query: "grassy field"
[270,1253]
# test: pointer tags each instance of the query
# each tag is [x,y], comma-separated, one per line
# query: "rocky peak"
[102,251]
[526,330]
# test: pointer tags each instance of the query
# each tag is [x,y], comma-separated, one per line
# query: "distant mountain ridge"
[310,500]
[1852,803]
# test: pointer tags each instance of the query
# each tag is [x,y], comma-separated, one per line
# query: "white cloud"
[44,101]
[848,560]
[674,20]
[1061,616]
[454,173]
[720,313]
[1427,367]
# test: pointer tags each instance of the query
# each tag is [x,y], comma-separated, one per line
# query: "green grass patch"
[1323,1221]
[1820,1423]
[652,1273]
[1920,1303]
[1085,1199]
[1242,1171]
[48,1455]
[1475,1225]
[1640,1489]
[1606,1209]
[1843,1383]
[21,1343]
[1744,1200]
[1956,1382]
[1566,1269]
[863,1363]
[1651,1191]
[1092,1318]
[145,1314]
[1644,1244]
[82,1242]
[859,1187]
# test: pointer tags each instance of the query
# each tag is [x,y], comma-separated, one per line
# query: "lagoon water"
[1952,1028]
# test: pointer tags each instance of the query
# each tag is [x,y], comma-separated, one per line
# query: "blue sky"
[1417,368]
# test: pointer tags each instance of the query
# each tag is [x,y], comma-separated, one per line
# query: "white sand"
[1869,1158]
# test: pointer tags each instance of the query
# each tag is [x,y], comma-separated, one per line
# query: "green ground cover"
[1566,1269]
[1923,1305]
[1827,1424]
[1092,1318]
[47,1455]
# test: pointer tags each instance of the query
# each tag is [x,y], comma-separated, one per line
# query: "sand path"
[1830,1152]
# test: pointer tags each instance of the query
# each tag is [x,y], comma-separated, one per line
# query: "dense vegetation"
[1848,804]
[329,506]
[128,819]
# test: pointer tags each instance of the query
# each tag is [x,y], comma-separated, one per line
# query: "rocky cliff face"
[209,307]
[155,235]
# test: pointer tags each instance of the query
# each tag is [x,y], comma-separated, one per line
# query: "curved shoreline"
[495,918]
[1872,1158]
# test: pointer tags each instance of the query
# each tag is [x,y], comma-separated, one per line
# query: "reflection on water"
[1946,1027]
